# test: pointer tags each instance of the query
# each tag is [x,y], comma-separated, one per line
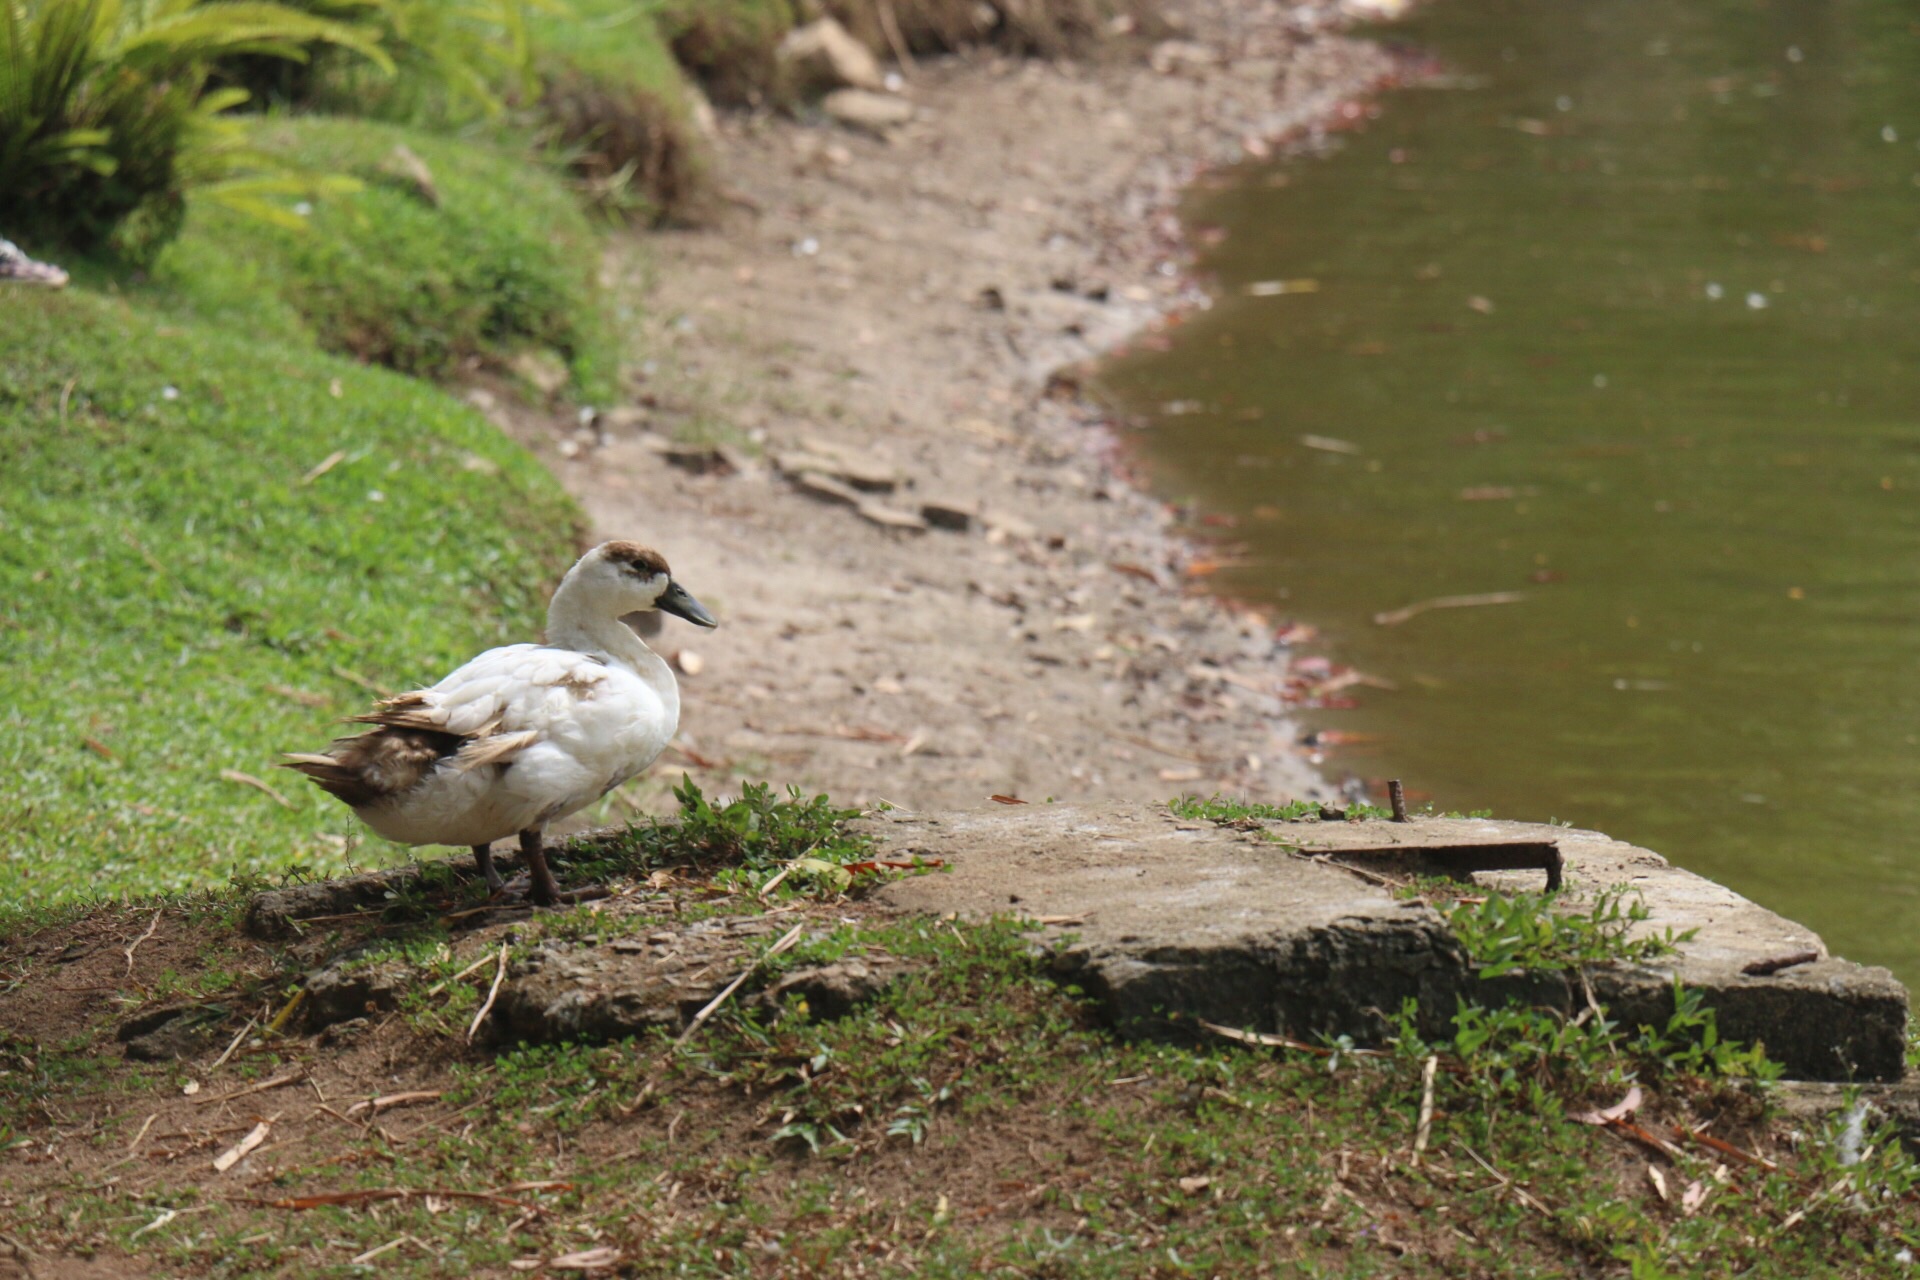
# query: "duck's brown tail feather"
[375,766]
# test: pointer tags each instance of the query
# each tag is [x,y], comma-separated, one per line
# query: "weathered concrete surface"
[1172,920]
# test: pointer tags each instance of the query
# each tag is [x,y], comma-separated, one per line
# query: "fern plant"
[106,117]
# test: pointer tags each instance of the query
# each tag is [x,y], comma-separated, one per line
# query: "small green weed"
[1551,1056]
[743,841]
[1522,932]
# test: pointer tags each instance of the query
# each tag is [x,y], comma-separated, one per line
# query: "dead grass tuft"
[728,45]
[626,142]
[620,107]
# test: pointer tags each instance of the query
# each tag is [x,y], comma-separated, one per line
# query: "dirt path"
[905,299]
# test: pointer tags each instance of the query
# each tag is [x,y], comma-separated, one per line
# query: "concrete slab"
[1285,927]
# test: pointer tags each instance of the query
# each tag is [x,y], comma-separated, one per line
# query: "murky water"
[1627,320]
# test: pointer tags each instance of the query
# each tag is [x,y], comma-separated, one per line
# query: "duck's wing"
[502,691]
[487,712]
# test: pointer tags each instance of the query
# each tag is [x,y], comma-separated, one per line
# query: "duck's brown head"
[636,579]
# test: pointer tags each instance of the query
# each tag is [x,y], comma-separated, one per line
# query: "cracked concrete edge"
[1165,921]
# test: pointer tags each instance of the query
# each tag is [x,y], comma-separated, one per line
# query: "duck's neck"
[573,623]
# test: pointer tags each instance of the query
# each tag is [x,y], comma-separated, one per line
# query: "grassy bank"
[969,1117]
[450,254]
[210,548]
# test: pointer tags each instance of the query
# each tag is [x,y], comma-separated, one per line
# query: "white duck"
[527,734]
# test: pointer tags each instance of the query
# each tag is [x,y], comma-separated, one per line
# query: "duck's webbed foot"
[546,891]
[483,858]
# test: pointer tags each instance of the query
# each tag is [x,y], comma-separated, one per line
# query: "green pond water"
[1627,318]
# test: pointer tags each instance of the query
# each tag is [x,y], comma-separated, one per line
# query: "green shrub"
[209,547]
[104,119]
[615,100]
[488,256]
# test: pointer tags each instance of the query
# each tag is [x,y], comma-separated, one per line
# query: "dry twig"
[322,1200]
[699,1019]
[131,1146]
[151,926]
[394,1100]
[1424,1129]
[1282,1042]
[234,1044]
[493,992]
[464,974]
[248,780]
[290,1077]
[240,1150]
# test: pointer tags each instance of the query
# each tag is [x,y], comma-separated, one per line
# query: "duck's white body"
[589,721]
[527,734]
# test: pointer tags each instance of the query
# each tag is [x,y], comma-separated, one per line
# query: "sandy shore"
[903,301]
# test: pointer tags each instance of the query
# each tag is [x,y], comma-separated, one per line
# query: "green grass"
[166,567]
[504,262]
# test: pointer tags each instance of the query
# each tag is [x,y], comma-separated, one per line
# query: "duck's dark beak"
[676,601]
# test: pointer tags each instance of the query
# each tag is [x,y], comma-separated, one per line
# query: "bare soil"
[913,300]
